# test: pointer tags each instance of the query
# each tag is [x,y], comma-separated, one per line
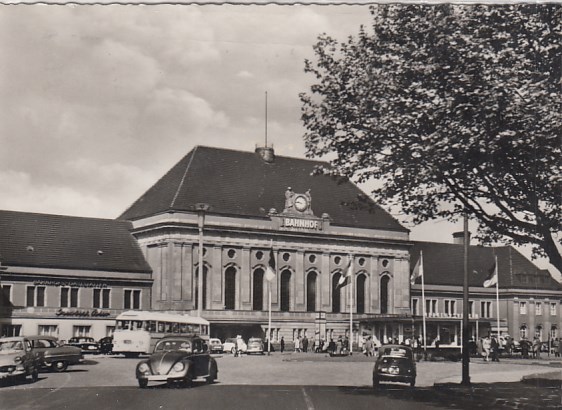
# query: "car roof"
[168,337]
[37,337]
[12,338]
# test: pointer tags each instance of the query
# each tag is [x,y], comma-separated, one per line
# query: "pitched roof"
[243,184]
[444,265]
[68,242]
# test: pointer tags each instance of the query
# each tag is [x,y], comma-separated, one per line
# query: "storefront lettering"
[83,313]
[72,284]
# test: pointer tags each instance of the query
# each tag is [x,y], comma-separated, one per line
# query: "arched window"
[384,293]
[257,303]
[553,332]
[538,332]
[311,292]
[230,288]
[196,287]
[361,279]
[336,294]
[285,290]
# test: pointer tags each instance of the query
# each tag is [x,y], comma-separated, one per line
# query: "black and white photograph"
[282,205]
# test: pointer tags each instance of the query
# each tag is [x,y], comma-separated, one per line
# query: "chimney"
[458,238]
[266,153]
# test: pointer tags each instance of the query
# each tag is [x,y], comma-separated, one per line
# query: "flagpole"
[423,304]
[351,307]
[269,308]
[498,296]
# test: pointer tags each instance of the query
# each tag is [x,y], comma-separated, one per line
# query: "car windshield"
[173,345]
[12,345]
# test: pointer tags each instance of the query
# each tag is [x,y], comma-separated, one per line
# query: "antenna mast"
[266,119]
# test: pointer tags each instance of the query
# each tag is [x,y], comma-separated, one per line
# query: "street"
[289,381]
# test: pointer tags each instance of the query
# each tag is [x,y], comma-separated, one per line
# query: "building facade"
[67,276]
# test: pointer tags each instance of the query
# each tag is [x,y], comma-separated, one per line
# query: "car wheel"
[375,382]
[187,381]
[131,355]
[412,382]
[35,375]
[143,383]
[212,375]
[59,366]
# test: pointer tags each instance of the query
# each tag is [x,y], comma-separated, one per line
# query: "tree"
[453,109]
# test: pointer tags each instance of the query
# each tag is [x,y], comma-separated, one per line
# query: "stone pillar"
[300,282]
[214,278]
[374,282]
[326,283]
[244,281]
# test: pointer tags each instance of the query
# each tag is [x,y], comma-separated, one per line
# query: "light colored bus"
[138,331]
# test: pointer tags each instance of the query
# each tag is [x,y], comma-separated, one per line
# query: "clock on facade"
[301,203]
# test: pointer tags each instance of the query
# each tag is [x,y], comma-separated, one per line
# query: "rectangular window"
[431,306]
[11,330]
[35,296]
[553,307]
[486,309]
[131,299]
[450,307]
[81,331]
[68,297]
[522,308]
[415,308]
[6,296]
[101,298]
[538,309]
[48,330]
[471,307]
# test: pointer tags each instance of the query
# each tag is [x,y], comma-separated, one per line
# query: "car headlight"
[178,367]
[18,360]
[143,368]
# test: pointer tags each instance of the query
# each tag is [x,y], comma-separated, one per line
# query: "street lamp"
[201,209]
[465,323]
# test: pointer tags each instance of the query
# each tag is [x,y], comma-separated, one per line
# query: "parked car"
[87,344]
[178,360]
[229,346]
[255,345]
[106,345]
[53,355]
[17,360]
[395,363]
[215,345]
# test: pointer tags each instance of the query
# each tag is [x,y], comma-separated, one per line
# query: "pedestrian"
[239,346]
[536,348]
[559,349]
[305,344]
[495,348]
[555,344]
[486,346]
[332,346]
[298,344]
[282,344]
[524,348]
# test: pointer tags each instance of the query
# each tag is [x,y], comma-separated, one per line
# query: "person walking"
[559,348]
[305,344]
[486,346]
[282,343]
[298,344]
[495,349]
[536,348]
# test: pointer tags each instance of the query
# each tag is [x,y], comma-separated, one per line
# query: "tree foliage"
[453,109]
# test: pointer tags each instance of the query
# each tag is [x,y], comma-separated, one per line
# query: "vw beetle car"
[87,344]
[17,360]
[52,354]
[395,363]
[178,360]
[255,345]
[229,345]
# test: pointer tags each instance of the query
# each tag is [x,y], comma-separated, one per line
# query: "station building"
[70,276]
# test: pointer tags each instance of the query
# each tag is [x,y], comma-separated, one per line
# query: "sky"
[98,102]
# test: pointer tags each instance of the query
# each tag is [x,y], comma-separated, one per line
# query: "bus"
[136,332]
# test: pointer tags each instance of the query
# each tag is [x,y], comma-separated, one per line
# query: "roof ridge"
[184,176]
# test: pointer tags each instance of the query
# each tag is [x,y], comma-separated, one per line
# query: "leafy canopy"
[452,109]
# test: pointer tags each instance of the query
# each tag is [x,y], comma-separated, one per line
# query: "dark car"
[86,344]
[106,345]
[395,363]
[55,356]
[178,360]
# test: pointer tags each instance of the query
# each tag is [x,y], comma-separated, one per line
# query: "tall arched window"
[311,292]
[523,332]
[361,279]
[257,303]
[336,294]
[196,287]
[285,291]
[538,332]
[230,288]
[384,293]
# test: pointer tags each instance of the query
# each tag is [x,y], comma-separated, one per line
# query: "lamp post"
[201,209]
[465,323]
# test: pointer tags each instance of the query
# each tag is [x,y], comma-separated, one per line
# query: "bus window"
[175,327]
[137,325]
[161,328]
[151,326]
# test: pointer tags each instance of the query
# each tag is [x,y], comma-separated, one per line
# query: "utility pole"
[465,323]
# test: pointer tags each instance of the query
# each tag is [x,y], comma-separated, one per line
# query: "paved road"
[295,381]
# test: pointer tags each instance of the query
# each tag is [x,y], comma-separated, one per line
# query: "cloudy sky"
[98,102]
